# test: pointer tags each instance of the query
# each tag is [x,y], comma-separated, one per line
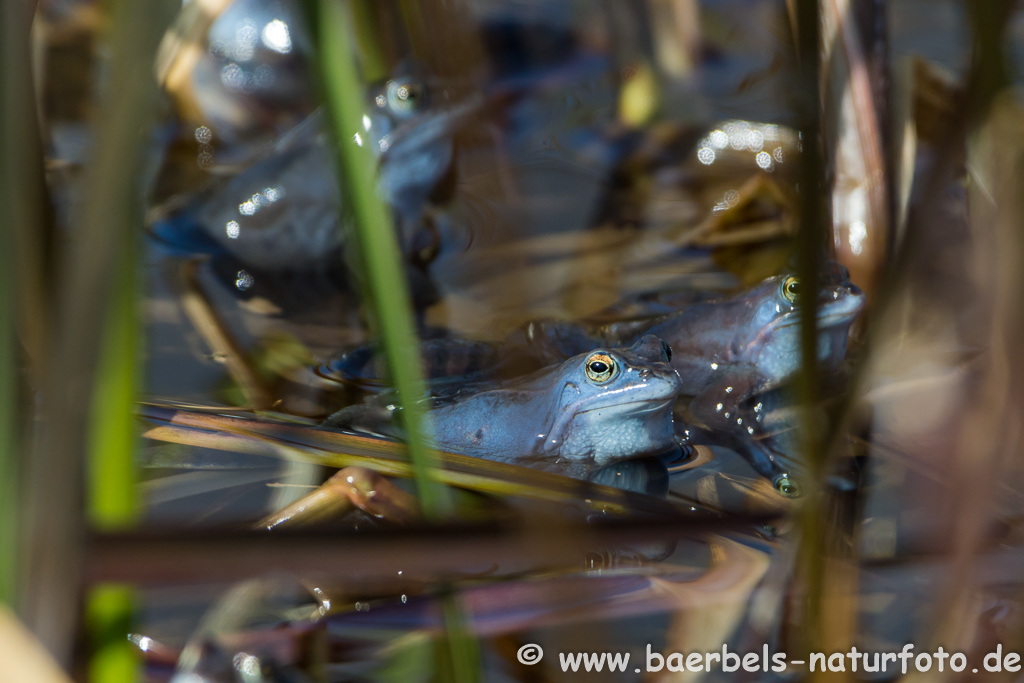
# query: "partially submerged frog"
[732,350]
[754,333]
[757,333]
[727,351]
[604,416]
[732,347]
[239,77]
[283,212]
[591,411]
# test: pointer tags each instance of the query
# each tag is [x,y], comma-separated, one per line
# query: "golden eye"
[600,368]
[791,289]
[405,96]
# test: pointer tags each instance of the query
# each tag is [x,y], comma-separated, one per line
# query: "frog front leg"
[731,416]
[720,405]
[352,488]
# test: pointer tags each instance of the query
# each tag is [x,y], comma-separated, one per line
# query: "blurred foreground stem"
[810,253]
[112,492]
[111,479]
[87,264]
[15,119]
[375,238]
[384,276]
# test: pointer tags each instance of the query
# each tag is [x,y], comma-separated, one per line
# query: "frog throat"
[555,435]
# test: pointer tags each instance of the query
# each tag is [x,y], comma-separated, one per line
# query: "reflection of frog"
[593,410]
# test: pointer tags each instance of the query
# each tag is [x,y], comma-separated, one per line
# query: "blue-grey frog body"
[752,335]
[574,418]
[733,351]
[273,202]
[758,332]
[284,211]
[727,351]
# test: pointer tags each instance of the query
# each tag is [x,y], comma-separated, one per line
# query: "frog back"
[508,425]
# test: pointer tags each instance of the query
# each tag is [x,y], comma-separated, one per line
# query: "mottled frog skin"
[753,333]
[591,411]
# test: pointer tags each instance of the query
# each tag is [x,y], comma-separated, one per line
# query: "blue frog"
[591,411]
[283,212]
[733,351]
[728,350]
[756,334]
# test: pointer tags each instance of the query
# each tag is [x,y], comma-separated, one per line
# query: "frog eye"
[600,368]
[791,289]
[405,96]
[789,488]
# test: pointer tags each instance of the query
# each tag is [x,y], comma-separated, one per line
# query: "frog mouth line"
[824,320]
[840,317]
[653,405]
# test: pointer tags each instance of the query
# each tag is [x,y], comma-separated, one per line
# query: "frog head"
[614,404]
[409,125]
[772,322]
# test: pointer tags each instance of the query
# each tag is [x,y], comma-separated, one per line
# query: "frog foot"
[353,488]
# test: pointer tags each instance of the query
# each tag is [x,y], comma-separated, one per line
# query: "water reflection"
[740,136]
[276,36]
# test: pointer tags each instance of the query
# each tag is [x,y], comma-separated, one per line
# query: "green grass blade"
[462,663]
[384,278]
[109,618]
[11,130]
[111,500]
[376,240]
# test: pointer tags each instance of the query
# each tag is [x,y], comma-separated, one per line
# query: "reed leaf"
[15,119]
[112,500]
[87,267]
[375,239]
[382,270]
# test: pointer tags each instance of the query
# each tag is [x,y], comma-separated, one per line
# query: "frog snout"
[847,298]
[846,289]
